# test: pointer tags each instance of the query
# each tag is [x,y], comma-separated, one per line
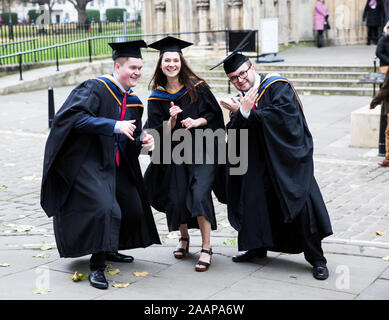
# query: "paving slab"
[349,274]
[181,281]
[253,288]
[379,290]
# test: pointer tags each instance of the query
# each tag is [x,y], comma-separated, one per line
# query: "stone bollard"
[365,124]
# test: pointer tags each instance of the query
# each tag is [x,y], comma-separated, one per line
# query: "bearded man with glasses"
[276,205]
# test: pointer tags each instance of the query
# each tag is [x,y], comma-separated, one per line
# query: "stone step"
[295,74]
[287,67]
[339,83]
[303,90]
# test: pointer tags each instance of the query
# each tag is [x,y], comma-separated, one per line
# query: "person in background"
[321,16]
[382,98]
[382,50]
[373,15]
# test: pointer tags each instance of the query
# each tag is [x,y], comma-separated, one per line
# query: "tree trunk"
[81,14]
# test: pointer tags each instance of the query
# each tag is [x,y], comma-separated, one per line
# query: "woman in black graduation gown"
[182,100]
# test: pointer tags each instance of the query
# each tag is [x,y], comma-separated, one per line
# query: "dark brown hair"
[383,93]
[187,77]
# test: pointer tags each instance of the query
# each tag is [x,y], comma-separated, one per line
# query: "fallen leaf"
[9,164]
[172,235]
[140,274]
[23,228]
[379,233]
[293,277]
[120,285]
[79,276]
[41,255]
[41,291]
[4,264]
[230,242]
[113,272]
[28,178]
[224,224]
[386,258]
[45,246]
[3,186]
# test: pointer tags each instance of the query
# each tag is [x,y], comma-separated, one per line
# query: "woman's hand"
[189,123]
[173,111]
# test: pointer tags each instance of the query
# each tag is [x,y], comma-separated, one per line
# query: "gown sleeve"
[288,145]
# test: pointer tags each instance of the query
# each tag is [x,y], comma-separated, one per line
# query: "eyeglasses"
[242,75]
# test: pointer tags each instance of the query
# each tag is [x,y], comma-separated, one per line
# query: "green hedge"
[33,15]
[93,15]
[113,15]
[5,17]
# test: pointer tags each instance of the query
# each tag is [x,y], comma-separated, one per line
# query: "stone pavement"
[354,188]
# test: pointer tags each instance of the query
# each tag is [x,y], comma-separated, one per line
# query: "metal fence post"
[56,56]
[90,50]
[51,106]
[20,66]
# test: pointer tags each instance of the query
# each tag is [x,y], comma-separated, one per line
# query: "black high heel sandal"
[202,263]
[182,250]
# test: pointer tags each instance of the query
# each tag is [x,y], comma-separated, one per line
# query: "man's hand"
[148,141]
[189,123]
[248,100]
[127,127]
[230,104]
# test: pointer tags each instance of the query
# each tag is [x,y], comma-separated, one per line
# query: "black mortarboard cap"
[127,49]
[170,44]
[234,60]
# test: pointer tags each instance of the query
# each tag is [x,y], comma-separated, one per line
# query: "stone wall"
[295,19]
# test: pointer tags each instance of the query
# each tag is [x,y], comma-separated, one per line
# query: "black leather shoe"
[118,257]
[97,279]
[249,255]
[320,272]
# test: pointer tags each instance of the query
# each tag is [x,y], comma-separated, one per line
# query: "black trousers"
[311,242]
[372,35]
[319,38]
[97,261]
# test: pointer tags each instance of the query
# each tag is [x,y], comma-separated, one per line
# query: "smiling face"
[128,71]
[171,64]
[245,77]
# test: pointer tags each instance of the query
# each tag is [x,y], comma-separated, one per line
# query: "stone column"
[203,8]
[236,16]
[147,16]
[160,9]
[218,19]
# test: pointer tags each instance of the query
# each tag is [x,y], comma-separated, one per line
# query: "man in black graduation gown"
[276,205]
[92,182]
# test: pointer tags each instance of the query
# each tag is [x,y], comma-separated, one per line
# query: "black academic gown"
[79,185]
[263,204]
[183,191]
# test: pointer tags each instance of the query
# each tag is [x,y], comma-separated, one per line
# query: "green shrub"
[93,15]
[115,14]
[5,17]
[33,15]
